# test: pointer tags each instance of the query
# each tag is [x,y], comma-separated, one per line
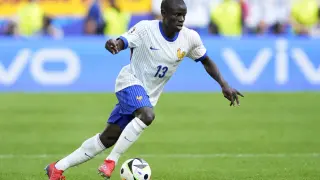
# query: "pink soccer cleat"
[53,173]
[106,169]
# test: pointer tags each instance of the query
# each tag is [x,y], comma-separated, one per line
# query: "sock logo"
[127,139]
[88,155]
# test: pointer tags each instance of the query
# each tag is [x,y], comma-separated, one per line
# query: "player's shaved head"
[168,5]
[173,15]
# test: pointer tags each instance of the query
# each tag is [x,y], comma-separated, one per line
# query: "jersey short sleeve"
[197,51]
[133,37]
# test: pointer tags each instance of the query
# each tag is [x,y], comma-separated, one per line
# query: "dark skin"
[173,19]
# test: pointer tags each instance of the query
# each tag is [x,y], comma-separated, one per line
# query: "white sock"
[128,136]
[88,150]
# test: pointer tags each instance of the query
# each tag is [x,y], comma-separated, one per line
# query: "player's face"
[176,17]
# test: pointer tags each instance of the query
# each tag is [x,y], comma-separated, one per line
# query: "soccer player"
[157,48]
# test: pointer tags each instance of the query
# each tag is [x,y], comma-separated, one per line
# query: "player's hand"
[112,46]
[232,95]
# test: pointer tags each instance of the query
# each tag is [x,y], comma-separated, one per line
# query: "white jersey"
[154,57]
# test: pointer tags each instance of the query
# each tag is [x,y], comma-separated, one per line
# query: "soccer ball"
[135,169]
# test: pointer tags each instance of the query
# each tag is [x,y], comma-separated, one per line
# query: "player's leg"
[110,135]
[91,147]
[88,149]
[143,118]
[118,122]
[133,100]
[130,134]
[145,114]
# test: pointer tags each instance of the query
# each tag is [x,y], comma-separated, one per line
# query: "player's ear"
[163,12]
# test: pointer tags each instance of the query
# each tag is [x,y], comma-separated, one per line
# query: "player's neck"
[167,32]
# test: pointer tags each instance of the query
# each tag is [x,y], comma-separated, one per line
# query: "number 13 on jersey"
[161,71]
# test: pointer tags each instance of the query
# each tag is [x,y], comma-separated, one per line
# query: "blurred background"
[58,45]
[58,18]
[57,83]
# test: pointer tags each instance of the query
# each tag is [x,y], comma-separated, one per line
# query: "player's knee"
[108,141]
[147,117]
[110,135]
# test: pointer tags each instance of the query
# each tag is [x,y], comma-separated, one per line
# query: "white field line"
[264,155]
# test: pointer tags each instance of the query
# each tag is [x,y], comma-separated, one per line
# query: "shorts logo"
[139,98]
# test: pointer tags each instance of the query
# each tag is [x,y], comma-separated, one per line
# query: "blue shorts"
[130,99]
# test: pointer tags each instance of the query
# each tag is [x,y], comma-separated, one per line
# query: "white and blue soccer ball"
[135,169]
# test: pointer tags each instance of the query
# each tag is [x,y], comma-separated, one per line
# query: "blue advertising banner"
[77,64]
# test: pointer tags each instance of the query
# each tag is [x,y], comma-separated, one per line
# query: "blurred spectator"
[226,18]
[198,15]
[95,14]
[90,26]
[49,30]
[304,16]
[244,10]
[30,18]
[155,9]
[315,31]
[117,21]
[11,29]
[268,16]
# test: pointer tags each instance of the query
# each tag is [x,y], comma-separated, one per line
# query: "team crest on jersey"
[180,54]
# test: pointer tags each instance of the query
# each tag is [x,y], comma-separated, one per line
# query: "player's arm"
[199,53]
[130,39]
[114,46]
[212,69]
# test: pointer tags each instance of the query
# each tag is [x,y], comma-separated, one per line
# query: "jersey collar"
[164,36]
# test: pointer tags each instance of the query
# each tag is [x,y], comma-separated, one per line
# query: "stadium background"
[57,84]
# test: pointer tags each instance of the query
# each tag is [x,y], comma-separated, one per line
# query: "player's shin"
[128,136]
[89,149]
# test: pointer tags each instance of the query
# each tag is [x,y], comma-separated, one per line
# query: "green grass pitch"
[196,136]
